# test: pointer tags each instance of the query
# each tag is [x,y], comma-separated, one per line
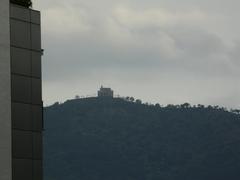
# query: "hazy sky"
[165,51]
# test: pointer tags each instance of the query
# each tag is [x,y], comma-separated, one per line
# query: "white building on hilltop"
[105,92]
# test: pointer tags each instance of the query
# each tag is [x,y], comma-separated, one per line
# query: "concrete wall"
[5,94]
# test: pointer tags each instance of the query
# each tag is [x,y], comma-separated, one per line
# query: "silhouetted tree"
[185,105]
[210,107]
[170,106]
[200,106]
[138,101]
[25,3]
[131,99]
[127,98]
[236,111]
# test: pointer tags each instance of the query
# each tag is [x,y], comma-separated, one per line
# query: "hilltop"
[115,139]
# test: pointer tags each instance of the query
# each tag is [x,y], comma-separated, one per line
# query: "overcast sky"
[165,51]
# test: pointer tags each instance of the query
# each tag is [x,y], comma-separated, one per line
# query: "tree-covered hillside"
[114,139]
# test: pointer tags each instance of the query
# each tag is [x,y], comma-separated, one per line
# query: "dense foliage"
[25,3]
[115,139]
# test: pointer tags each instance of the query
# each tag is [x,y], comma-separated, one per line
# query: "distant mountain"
[114,139]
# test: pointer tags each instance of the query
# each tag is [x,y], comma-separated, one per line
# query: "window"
[37,170]
[22,169]
[35,17]
[22,144]
[21,89]
[20,34]
[20,61]
[36,64]
[36,91]
[37,146]
[37,118]
[36,37]
[21,116]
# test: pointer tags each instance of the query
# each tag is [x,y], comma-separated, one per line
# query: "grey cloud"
[178,50]
[186,50]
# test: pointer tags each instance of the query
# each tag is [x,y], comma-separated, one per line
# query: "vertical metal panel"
[25,38]
[5,94]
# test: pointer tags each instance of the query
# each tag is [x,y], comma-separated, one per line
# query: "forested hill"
[114,139]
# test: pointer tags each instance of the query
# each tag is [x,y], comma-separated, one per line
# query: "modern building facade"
[21,117]
[105,92]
